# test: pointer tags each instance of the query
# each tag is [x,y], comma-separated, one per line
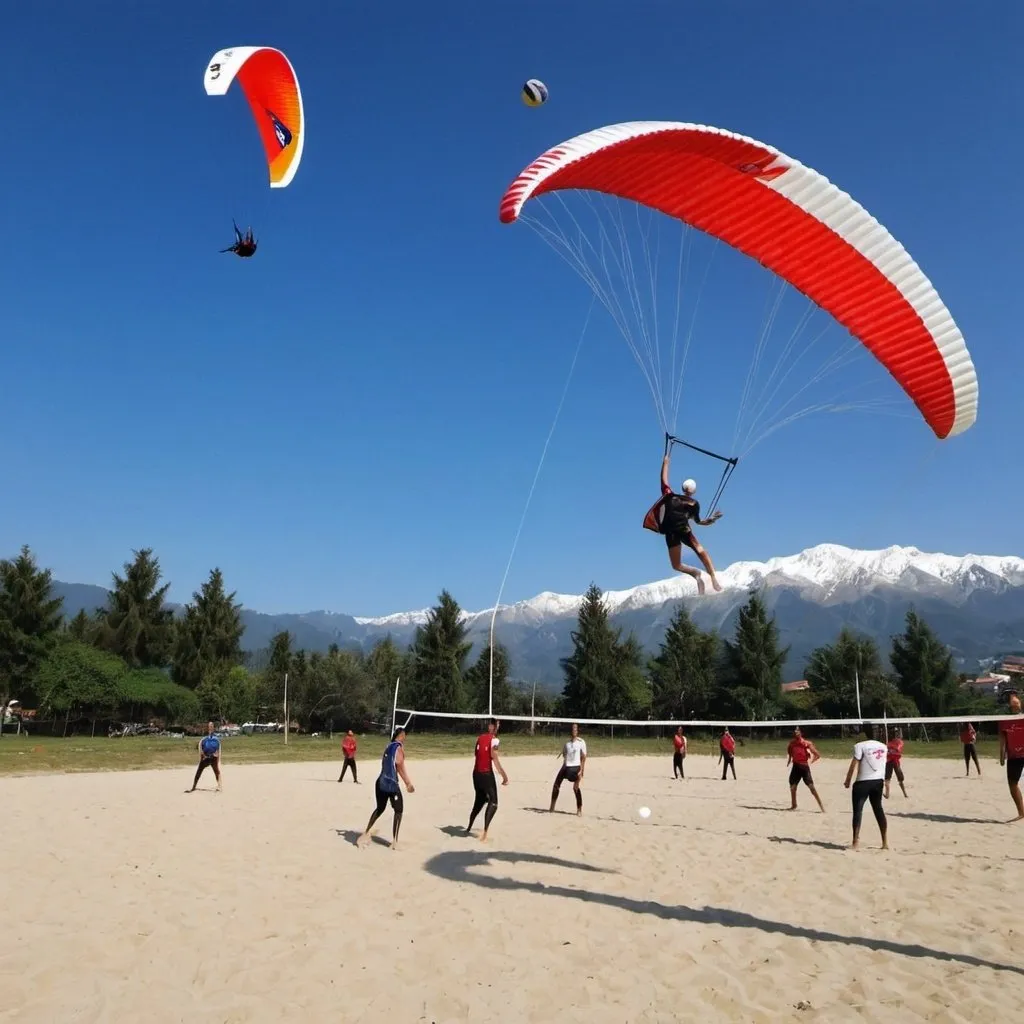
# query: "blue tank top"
[388,769]
[209,745]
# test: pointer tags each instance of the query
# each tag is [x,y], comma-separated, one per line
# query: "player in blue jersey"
[209,757]
[387,789]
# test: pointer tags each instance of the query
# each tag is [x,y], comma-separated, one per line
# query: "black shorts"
[568,775]
[1014,769]
[800,773]
[674,538]
[893,768]
[486,785]
[384,796]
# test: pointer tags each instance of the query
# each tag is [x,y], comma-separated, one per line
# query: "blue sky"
[352,419]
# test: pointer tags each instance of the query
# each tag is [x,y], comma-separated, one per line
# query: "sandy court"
[124,898]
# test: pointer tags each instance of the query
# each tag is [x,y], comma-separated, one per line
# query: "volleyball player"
[392,767]
[801,755]
[484,784]
[1011,752]
[869,764]
[678,754]
[574,760]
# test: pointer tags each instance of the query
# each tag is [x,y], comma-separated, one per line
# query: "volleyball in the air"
[535,93]
[644,812]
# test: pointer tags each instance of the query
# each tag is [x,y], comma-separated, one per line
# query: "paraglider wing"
[269,83]
[792,220]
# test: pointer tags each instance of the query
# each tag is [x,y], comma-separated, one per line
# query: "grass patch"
[33,755]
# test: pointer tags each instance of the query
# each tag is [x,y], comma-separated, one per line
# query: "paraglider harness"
[654,520]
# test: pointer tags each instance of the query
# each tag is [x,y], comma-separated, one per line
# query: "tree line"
[134,659]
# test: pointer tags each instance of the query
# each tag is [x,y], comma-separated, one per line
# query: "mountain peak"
[827,569]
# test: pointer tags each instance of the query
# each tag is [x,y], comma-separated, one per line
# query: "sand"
[126,899]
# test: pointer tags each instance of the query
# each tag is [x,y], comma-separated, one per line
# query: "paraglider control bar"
[670,440]
[730,465]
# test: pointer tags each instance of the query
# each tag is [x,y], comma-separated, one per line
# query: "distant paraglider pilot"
[245,245]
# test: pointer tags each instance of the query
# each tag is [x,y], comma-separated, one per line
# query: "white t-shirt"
[871,755]
[572,752]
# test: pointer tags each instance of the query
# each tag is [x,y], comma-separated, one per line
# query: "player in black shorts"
[678,511]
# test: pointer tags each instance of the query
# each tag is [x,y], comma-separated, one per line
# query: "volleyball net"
[925,728]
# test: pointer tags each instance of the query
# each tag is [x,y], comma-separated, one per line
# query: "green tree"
[340,692]
[683,672]
[136,625]
[279,664]
[387,664]
[30,620]
[923,667]
[440,650]
[835,669]
[752,662]
[77,679]
[147,691]
[478,682]
[82,627]
[590,686]
[629,691]
[209,635]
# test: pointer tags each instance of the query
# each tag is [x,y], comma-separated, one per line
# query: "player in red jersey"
[678,754]
[727,752]
[1011,752]
[484,784]
[893,757]
[802,754]
[968,735]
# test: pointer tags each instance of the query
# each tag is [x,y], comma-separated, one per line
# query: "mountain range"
[975,603]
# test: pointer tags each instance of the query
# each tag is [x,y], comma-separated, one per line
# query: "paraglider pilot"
[245,245]
[679,511]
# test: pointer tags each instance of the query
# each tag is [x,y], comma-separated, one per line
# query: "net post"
[394,709]
[490,669]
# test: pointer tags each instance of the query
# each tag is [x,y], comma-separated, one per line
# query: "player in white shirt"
[574,759]
[868,762]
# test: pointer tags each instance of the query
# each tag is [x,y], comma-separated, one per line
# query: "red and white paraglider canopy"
[792,220]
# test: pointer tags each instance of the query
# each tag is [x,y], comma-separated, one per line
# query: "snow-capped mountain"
[828,572]
[974,602]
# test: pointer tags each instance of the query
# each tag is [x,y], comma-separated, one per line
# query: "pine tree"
[923,667]
[388,665]
[30,619]
[440,650]
[82,627]
[683,672]
[752,662]
[629,692]
[279,663]
[590,670]
[209,635]
[834,671]
[478,682]
[136,625]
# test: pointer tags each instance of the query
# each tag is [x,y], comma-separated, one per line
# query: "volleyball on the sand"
[644,812]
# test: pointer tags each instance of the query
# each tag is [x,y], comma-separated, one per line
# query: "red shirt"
[967,736]
[348,746]
[678,741]
[799,750]
[484,752]
[1014,733]
[728,744]
[894,751]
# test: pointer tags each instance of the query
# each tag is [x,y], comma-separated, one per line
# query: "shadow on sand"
[460,866]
